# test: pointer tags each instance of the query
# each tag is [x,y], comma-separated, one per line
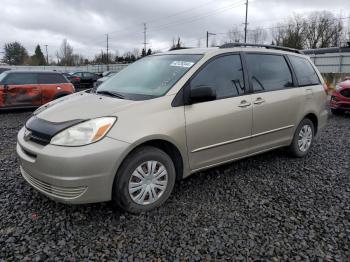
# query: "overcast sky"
[84,23]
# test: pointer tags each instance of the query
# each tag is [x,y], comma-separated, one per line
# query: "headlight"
[84,133]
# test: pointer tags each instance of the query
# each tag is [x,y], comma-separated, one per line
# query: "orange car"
[21,89]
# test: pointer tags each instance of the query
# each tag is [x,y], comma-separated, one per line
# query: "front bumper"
[338,102]
[74,175]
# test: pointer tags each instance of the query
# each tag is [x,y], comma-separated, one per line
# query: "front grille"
[345,106]
[345,92]
[55,191]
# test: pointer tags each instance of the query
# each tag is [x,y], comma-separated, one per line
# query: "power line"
[192,19]
[189,20]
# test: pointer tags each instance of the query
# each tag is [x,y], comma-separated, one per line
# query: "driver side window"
[224,75]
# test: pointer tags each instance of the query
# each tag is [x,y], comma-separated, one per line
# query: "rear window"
[304,71]
[21,79]
[51,79]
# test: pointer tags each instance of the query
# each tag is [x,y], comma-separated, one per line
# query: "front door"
[219,130]
[21,90]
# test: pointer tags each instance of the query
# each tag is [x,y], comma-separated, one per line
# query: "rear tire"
[337,111]
[145,180]
[303,138]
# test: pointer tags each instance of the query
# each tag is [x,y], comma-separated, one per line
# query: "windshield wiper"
[110,93]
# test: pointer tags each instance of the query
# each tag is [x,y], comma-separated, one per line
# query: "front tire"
[303,138]
[145,180]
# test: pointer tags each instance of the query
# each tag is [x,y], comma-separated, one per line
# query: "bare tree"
[278,34]
[235,35]
[213,42]
[136,52]
[291,33]
[65,54]
[323,29]
[257,35]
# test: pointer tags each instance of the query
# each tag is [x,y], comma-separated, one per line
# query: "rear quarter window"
[51,79]
[305,72]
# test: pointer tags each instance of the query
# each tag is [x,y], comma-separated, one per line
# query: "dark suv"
[32,89]
[87,79]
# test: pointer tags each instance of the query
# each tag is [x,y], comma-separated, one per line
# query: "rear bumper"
[74,175]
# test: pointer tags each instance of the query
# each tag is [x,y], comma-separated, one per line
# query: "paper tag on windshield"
[182,63]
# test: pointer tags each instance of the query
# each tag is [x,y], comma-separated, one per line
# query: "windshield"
[2,76]
[149,77]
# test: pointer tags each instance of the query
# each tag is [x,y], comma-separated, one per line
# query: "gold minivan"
[168,116]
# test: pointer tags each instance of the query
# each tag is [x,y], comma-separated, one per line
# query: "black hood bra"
[42,131]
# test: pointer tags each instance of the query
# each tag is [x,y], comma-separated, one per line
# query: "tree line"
[318,29]
[16,54]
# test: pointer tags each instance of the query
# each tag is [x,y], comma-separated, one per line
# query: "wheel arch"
[314,119]
[169,147]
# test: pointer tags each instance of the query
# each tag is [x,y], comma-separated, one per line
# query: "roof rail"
[231,45]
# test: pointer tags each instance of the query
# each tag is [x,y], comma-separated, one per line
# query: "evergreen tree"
[38,58]
[149,51]
[15,54]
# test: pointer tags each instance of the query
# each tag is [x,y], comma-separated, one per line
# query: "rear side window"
[21,79]
[51,79]
[88,75]
[224,74]
[269,72]
[304,71]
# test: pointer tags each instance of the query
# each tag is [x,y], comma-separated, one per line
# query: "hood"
[81,105]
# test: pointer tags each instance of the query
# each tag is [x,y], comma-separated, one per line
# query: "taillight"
[325,87]
[77,78]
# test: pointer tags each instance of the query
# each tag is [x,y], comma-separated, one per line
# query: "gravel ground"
[268,207]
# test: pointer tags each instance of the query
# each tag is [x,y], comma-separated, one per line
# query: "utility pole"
[246,21]
[145,37]
[208,34]
[107,62]
[47,55]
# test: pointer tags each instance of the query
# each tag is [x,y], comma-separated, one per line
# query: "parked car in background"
[103,79]
[75,80]
[167,116]
[107,73]
[87,79]
[4,69]
[21,89]
[340,99]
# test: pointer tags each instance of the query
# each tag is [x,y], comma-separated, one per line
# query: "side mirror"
[6,87]
[202,94]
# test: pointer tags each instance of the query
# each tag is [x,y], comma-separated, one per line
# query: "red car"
[22,89]
[340,99]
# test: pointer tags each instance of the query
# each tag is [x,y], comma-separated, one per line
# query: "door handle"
[244,103]
[259,101]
